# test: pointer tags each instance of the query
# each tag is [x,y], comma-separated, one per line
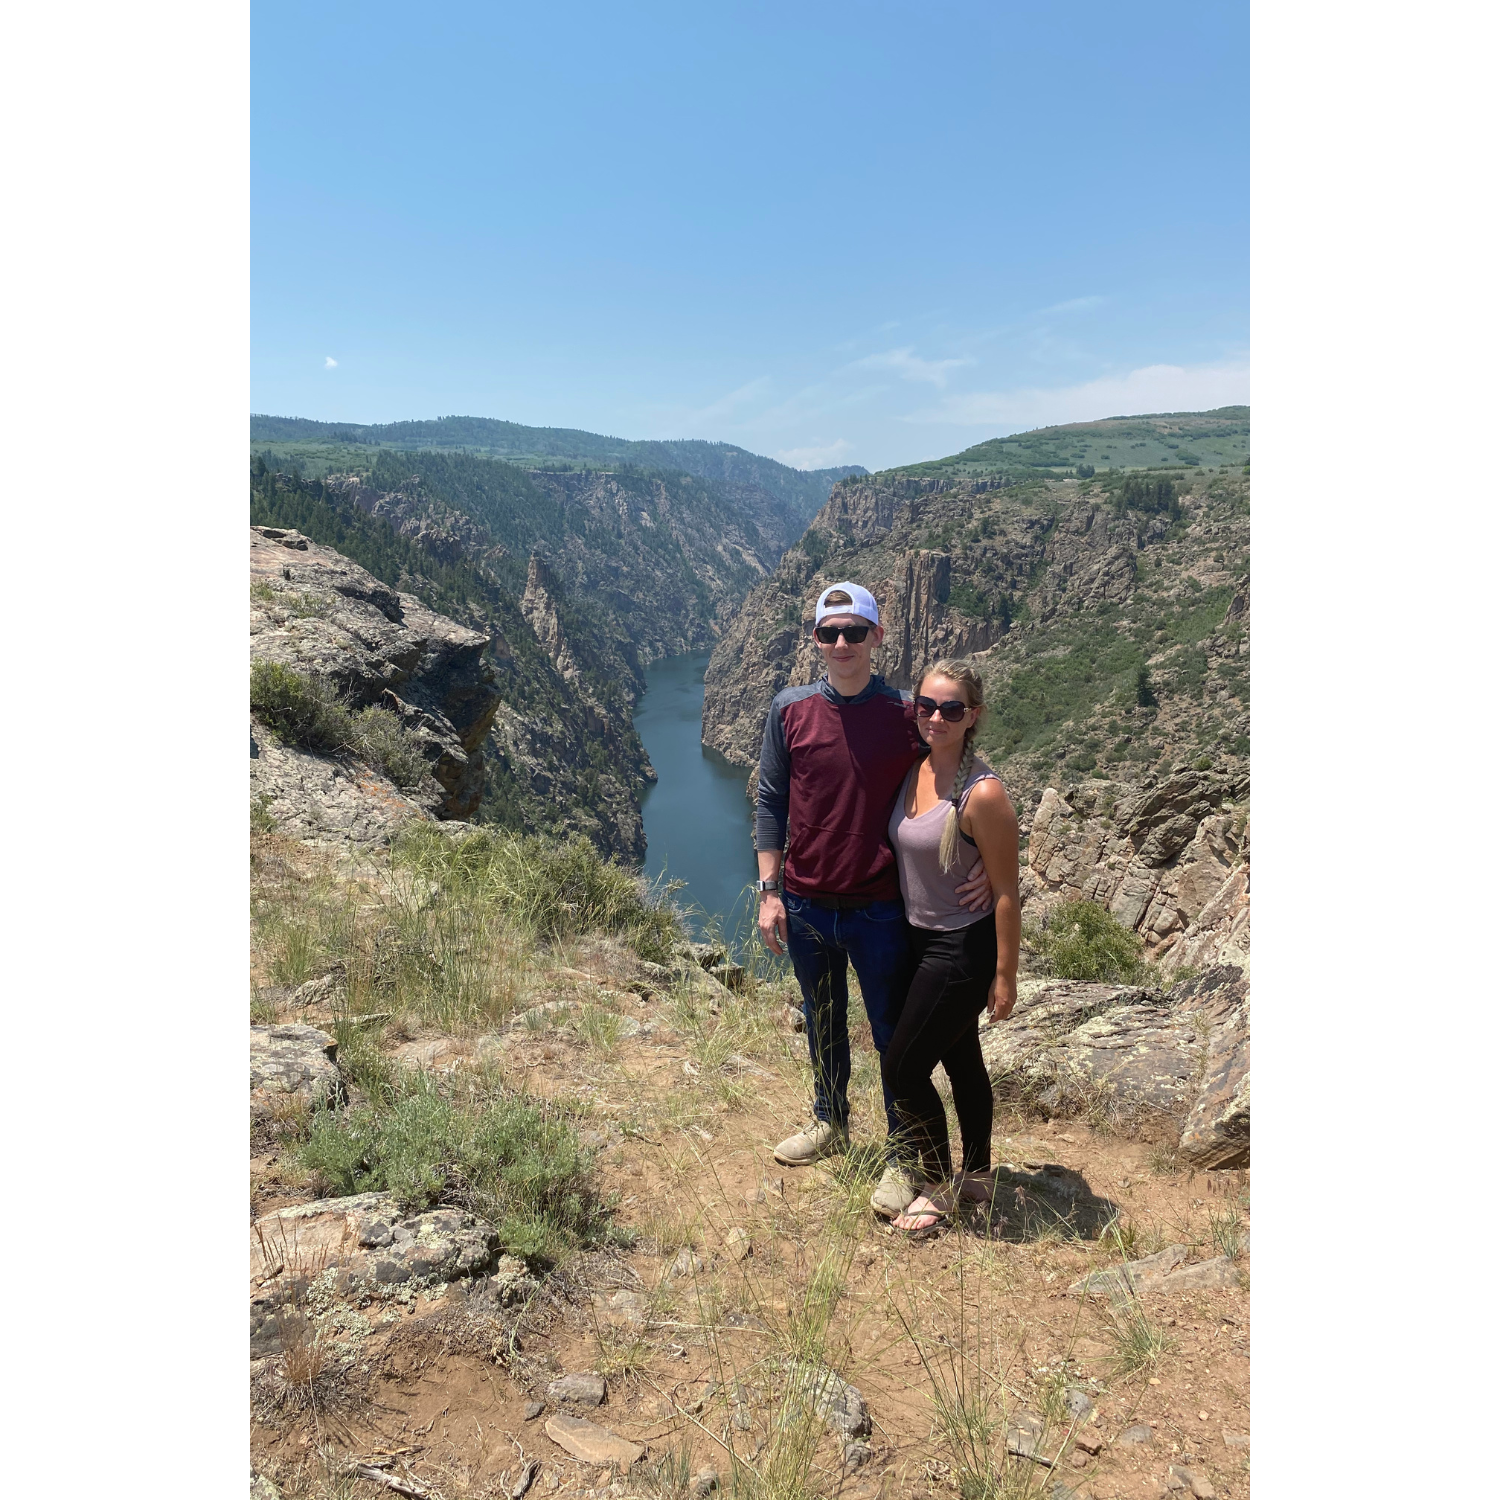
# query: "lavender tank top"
[931,896]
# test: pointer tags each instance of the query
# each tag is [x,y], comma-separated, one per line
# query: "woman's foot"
[922,1217]
[925,1213]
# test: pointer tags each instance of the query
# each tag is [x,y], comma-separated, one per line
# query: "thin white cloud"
[726,406]
[910,366]
[824,457]
[1073,304]
[1149,389]
[329,362]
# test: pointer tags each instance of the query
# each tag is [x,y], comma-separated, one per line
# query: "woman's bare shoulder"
[990,794]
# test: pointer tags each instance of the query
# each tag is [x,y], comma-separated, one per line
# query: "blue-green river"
[696,816]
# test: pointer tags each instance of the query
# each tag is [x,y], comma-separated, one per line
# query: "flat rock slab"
[576,1390]
[444,1054]
[1134,1276]
[592,1443]
[292,1067]
[1207,1275]
[1024,1434]
[1139,1433]
[622,1309]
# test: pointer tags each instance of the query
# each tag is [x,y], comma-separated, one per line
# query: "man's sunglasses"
[952,710]
[853,634]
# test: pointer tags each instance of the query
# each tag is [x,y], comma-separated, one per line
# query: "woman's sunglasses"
[853,634]
[952,710]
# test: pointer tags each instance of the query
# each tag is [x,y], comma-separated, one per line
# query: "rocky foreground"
[391,1344]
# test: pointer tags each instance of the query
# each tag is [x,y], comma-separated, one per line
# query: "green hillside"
[1183,439]
[318,448]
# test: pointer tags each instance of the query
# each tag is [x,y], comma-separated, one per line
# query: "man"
[834,757]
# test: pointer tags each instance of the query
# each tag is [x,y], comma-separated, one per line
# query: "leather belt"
[840,903]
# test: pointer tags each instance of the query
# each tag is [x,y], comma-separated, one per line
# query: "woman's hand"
[1002,998]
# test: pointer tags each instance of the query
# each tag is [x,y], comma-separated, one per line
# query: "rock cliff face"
[1171,862]
[1114,645]
[560,755]
[318,613]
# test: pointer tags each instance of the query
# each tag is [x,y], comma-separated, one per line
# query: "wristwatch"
[768,885]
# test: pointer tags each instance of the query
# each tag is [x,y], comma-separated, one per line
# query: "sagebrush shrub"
[1081,940]
[307,710]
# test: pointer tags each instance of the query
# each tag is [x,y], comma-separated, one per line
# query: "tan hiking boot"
[818,1140]
[896,1189]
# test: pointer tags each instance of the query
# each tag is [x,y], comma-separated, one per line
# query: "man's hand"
[1002,998]
[772,922]
[975,893]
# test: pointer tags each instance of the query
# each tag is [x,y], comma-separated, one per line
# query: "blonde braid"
[948,845]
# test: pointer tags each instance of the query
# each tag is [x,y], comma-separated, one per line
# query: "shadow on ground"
[1032,1205]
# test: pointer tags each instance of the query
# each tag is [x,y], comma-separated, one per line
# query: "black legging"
[952,973]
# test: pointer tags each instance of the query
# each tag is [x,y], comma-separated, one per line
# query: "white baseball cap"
[864,603]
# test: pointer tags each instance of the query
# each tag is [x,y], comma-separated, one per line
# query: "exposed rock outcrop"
[1171,1065]
[315,611]
[292,1068]
[1172,861]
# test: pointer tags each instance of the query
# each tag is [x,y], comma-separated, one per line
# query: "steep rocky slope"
[1110,619]
[320,615]
[557,753]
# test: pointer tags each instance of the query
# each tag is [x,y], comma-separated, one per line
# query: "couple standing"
[869,798]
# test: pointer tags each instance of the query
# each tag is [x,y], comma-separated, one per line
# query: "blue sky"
[835,233]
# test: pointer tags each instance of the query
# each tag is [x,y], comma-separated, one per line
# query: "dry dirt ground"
[733,1267]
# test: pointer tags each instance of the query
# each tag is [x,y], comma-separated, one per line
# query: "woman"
[951,812]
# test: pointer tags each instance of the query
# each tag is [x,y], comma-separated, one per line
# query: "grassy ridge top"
[325,445]
[1190,439]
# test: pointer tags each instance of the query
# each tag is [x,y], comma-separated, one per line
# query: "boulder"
[1170,1064]
[576,1390]
[292,1067]
[368,1237]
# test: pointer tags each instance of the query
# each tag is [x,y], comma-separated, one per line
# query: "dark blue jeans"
[822,944]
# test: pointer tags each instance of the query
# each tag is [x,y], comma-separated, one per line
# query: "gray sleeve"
[773,793]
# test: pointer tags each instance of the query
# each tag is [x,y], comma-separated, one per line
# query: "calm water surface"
[696,816]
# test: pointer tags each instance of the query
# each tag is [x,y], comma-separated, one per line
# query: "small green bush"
[307,710]
[511,1160]
[303,710]
[1081,940]
[380,738]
